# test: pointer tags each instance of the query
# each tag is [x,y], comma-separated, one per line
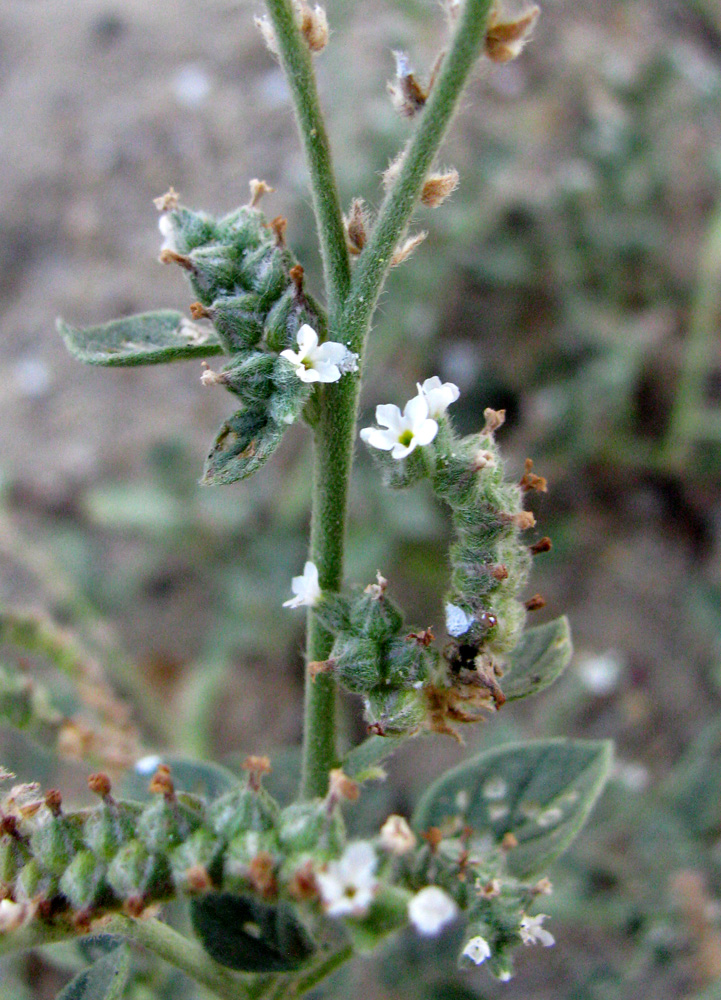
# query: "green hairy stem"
[350,315]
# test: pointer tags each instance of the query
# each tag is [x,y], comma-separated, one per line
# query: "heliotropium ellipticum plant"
[280,896]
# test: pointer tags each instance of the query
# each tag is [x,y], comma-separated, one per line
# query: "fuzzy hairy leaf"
[105,980]
[145,339]
[541,792]
[244,443]
[250,936]
[541,656]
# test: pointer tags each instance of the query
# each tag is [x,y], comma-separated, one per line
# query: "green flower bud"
[375,615]
[34,882]
[333,612]
[280,330]
[406,662]
[311,827]
[214,271]
[165,823]
[54,843]
[13,855]
[243,810]
[238,322]
[395,712]
[191,229]
[250,379]
[357,663]
[136,872]
[83,881]
[109,826]
[195,860]
[244,227]
[265,272]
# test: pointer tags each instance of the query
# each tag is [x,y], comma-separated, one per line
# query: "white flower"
[167,231]
[403,430]
[457,620]
[532,932]
[438,396]
[477,949]
[430,910]
[306,588]
[347,886]
[396,836]
[319,364]
[11,915]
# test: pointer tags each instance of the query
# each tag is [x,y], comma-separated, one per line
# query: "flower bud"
[265,272]
[356,663]
[395,712]
[238,321]
[244,809]
[374,615]
[311,827]
[83,881]
[135,872]
[249,379]
[201,852]
[244,227]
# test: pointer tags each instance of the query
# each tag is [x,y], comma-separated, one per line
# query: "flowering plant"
[279,895]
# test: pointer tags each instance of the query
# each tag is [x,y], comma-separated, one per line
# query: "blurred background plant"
[573,279]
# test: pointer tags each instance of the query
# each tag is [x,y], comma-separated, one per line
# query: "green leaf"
[146,339]
[245,934]
[541,792]
[103,981]
[244,443]
[541,656]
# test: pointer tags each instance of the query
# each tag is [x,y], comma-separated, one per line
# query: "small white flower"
[477,949]
[167,231]
[319,364]
[11,915]
[430,910]
[347,886]
[306,588]
[533,933]
[457,620]
[396,836]
[403,431]
[439,396]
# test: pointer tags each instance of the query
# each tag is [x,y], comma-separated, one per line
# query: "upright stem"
[395,213]
[350,307]
[297,64]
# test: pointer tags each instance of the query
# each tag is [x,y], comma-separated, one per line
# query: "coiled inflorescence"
[250,286]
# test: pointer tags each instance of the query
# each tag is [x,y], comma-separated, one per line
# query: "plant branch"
[184,954]
[395,213]
[297,63]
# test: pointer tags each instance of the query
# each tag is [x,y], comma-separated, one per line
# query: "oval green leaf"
[244,443]
[145,339]
[541,792]
[541,656]
[105,980]
[248,935]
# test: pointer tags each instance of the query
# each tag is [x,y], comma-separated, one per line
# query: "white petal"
[457,620]
[477,949]
[307,339]
[416,411]
[291,356]
[431,909]
[388,415]
[308,374]
[403,450]
[330,352]
[326,372]
[306,588]
[429,385]
[377,438]
[425,432]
